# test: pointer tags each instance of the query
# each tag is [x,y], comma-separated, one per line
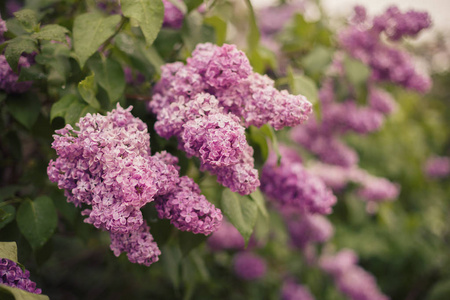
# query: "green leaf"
[8,191]
[60,108]
[220,27]
[149,14]
[8,250]
[258,197]
[440,290]
[241,211]
[34,72]
[87,89]
[192,4]
[16,47]
[253,34]
[37,220]
[303,85]
[189,241]
[109,75]
[270,133]
[25,109]
[356,72]
[52,32]
[7,292]
[74,112]
[90,31]
[317,60]
[7,215]
[28,18]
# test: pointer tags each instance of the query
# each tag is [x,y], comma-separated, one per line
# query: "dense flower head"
[3,29]
[381,101]
[139,245]
[249,266]
[388,63]
[188,210]
[106,167]
[327,147]
[349,278]
[294,291]
[396,24]
[206,104]
[11,274]
[173,16]
[226,237]
[291,186]
[307,229]
[9,79]
[437,166]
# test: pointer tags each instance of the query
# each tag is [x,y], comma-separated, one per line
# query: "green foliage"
[242,212]
[90,31]
[148,14]
[25,109]
[37,220]
[109,75]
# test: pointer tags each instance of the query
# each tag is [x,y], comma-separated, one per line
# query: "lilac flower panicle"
[388,63]
[309,229]
[173,16]
[381,101]
[3,29]
[206,103]
[226,237]
[375,188]
[274,18]
[437,167]
[139,246]
[249,266]
[188,210]
[349,278]
[291,186]
[9,79]
[293,291]
[11,274]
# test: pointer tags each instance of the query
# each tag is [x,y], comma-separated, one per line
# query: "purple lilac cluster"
[437,167]
[173,16]
[293,188]
[371,188]
[107,166]
[188,210]
[206,103]
[3,29]
[272,19]
[363,41]
[349,278]
[294,291]
[249,266]
[306,229]
[227,237]
[11,274]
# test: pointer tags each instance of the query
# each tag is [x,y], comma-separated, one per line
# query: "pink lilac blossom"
[388,63]
[396,24]
[307,229]
[9,79]
[11,274]
[294,291]
[188,210]
[227,237]
[3,29]
[437,166]
[381,101]
[139,245]
[173,16]
[106,166]
[249,266]
[206,103]
[349,278]
[292,187]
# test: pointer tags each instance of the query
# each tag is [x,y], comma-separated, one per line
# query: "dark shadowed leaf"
[25,109]
[37,220]
[110,76]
